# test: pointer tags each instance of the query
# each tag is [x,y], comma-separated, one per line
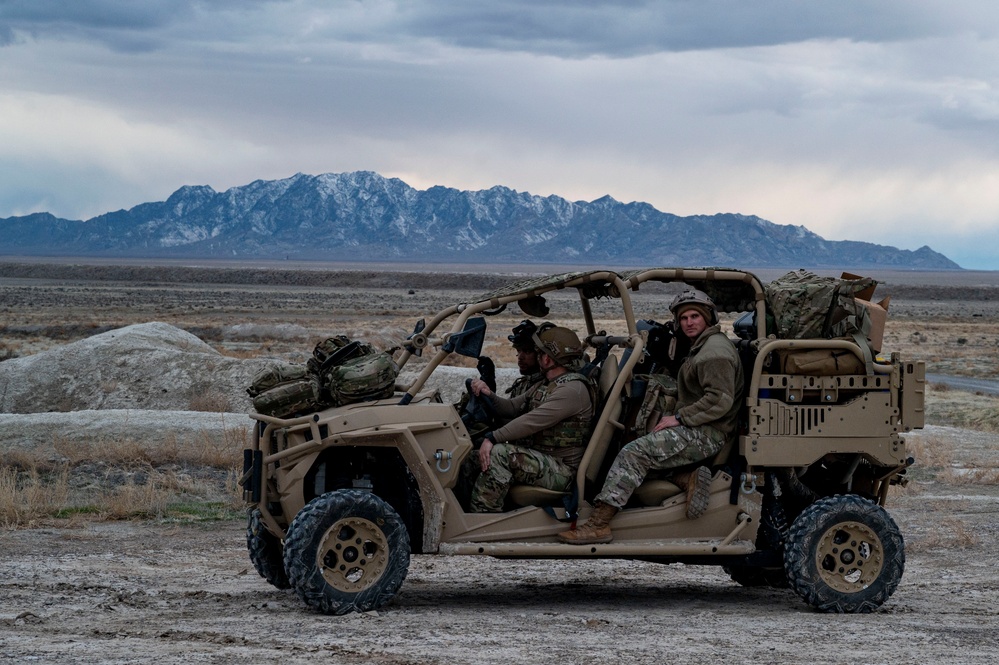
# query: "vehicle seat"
[530,495]
[654,489]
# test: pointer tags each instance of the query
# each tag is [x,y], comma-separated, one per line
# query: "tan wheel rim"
[353,554]
[849,557]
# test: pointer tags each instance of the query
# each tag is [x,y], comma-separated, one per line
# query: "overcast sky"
[863,120]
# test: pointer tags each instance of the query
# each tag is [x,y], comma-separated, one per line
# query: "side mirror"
[469,341]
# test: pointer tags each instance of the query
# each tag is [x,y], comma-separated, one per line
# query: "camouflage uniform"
[525,384]
[470,468]
[710,386]
[556,441]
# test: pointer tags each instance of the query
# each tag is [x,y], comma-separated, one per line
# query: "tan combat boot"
[698,486]
[596,529]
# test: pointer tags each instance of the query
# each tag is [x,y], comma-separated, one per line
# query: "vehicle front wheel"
[265,550]
[844,554]
[346,551]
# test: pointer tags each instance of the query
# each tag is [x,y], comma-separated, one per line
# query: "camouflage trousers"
[667,449]
[509,464]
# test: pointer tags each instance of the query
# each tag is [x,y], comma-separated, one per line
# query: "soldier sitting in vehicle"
[522,339]
[479,421]
[710,385]
[553,421]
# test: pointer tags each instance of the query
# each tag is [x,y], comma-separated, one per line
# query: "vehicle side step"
[679,547]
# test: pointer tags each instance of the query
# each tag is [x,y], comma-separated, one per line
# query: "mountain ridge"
[363,216]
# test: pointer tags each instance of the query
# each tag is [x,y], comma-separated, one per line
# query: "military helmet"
[558,343]
[698,300]
[523,336]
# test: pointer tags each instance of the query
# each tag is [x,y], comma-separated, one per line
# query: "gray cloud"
[833,115]
[612,28]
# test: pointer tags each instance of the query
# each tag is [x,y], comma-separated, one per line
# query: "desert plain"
[130,547]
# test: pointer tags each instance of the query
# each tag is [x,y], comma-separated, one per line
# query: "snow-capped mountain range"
[363,216]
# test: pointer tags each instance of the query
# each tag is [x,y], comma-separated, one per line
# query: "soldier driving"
[553,419]
[531,376]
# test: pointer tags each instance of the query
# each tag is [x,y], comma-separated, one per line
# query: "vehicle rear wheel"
[346,551]
[844,554]
[265,550]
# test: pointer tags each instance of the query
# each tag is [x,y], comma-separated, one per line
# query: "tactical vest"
[567,439]
[524,384]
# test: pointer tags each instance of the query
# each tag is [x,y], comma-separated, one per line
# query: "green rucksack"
[290,398]
[340,371]
[659,400]
[335,350]
[367,377]
[275,375]
[806,306]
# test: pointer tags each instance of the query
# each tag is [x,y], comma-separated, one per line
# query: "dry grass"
[931,454]
[26,496]
[118,479]
[938,459]
[211,402]
[957,408]
[949,533]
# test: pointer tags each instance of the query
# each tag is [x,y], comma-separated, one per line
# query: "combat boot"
[596,529]
[698,486]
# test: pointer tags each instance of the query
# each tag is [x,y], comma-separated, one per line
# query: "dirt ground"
[82,591]
[133,592]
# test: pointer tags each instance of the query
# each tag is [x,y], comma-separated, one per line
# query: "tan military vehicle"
[340,498]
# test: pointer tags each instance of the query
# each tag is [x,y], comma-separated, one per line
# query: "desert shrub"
[131,500]
[211,402]
[957,408]
[124,478]
[27,496]
[207,333]
[930,453]
[949,533]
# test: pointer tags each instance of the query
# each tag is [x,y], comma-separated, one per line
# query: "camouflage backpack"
[274,375]
[659,400]
[366,377]
[806,306]
[334,351]
[290,398]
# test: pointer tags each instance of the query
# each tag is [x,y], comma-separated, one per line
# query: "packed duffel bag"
[290,398]
[817,362]
[275,375]
[364,378]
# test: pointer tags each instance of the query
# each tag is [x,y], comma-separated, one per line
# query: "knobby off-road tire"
[844,554]
[346,551]
[265,551]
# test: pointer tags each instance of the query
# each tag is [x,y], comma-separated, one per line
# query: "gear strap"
[570,501]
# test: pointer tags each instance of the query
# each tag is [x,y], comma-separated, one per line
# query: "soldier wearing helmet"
[710,386]
[522,339]
[549,424]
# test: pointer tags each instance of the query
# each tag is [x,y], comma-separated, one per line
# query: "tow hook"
[441,456]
